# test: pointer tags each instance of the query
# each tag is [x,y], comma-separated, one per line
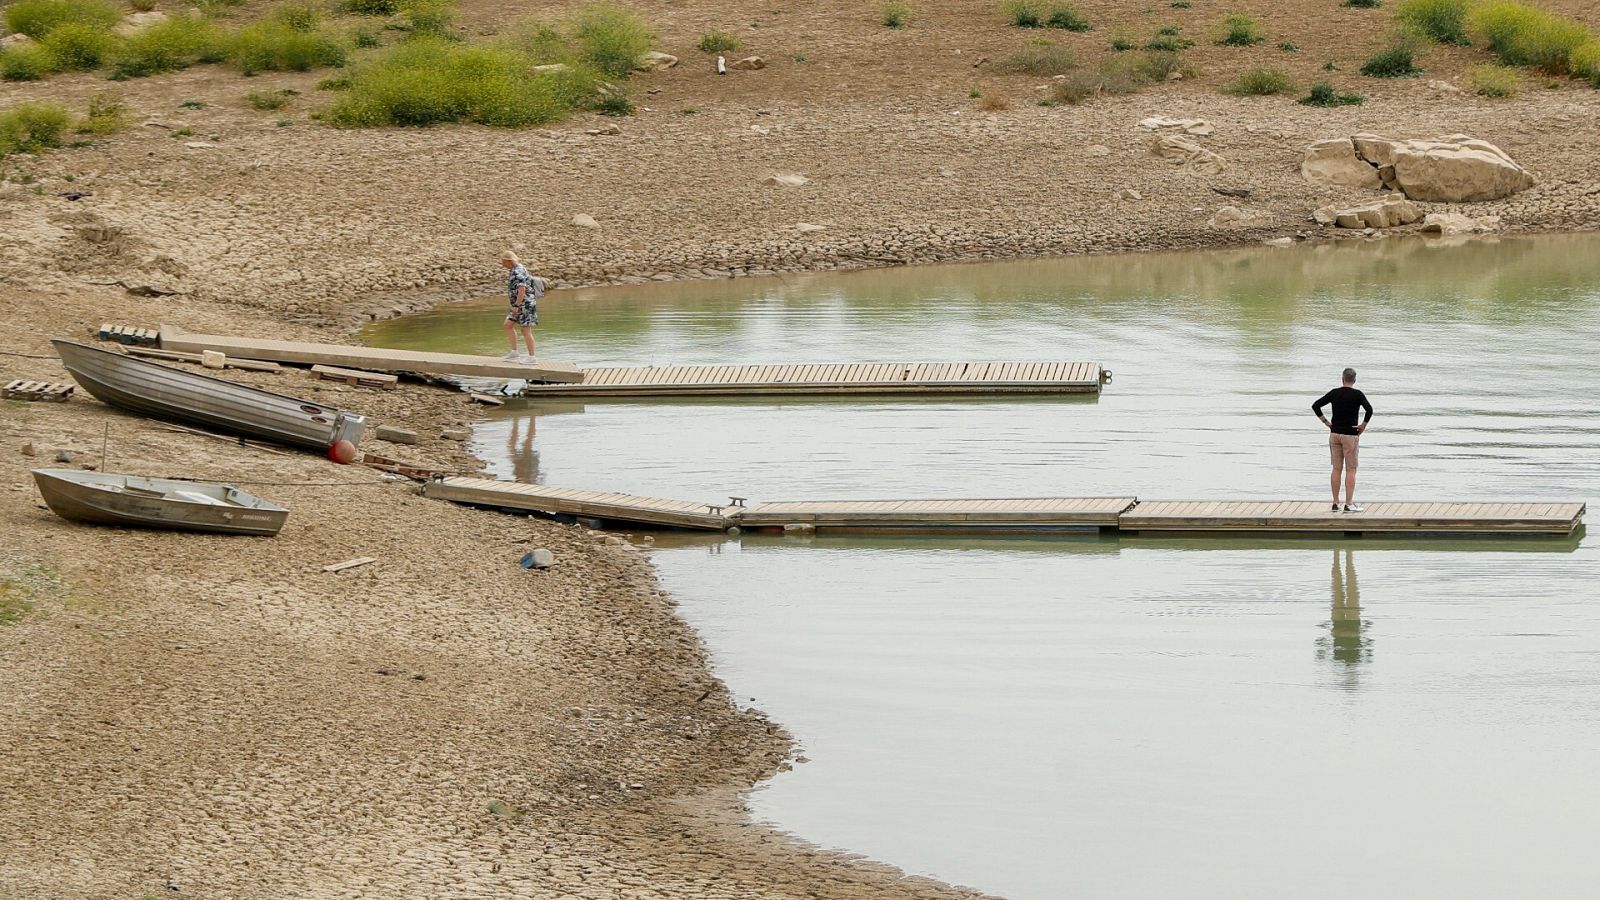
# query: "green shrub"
[1121,44]
[1036,60]
[107,115]
[79,46]
[364,38]
[613,103]
[1155,65]
[36,18]
[299,15]
[142,5]
[1024,13]
[1586,62]
[267,100]
[1066,17]
[32,127]
[1288,47]
[894,14]
[1168,43]
[1181,4]
[1261,83]
[1362,4]
[1494,81]
[1241,31]
[370,7]
[29,62]
[611,38]
[1396,62]
[428,18]
[272,46]
[1323,94]
[1523,35]
[719,42]
[1444,21]
[176,43]
[430,80]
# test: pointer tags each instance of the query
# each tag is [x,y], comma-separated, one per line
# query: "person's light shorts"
[1344,449]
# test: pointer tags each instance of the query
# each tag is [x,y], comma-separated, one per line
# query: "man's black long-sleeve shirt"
[1346,401]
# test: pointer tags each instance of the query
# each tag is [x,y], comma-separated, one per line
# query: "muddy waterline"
[1138,717]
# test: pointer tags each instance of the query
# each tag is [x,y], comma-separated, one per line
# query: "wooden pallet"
[48,391]
[128,334]
[358,378]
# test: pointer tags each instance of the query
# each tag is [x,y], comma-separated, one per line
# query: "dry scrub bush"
[719,42]
[894,14]
[1586,62]
[1047,59]
[1261,83]
[1241,31]
[993,102]
[80,46]
[272,46]
[36,18]
[176,43]
[1494,81]
[32,127]
[107,115]
[29,62]
[611,38]
[1115,76]
[1523,35]
[1443,21]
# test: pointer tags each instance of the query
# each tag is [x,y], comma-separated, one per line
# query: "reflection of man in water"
[519,447]
[1345,642]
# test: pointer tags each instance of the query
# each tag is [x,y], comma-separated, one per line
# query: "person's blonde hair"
[510,257]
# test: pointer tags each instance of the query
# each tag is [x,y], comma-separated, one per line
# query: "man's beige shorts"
[1344,449]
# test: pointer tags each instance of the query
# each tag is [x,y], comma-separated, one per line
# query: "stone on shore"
[1184,152]
[1452,223]
[1197,127]
[1390,212]
[395,435]
[807,228]
[786,180]
[1234,217]
[1455,168]
[537,559]
[748,64]
[654,60]
[584,220]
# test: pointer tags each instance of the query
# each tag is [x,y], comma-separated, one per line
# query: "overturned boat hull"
[177,395]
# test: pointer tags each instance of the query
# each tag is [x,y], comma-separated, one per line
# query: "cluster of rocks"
[1456,168]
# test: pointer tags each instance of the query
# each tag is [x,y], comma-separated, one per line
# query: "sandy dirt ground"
[219,717]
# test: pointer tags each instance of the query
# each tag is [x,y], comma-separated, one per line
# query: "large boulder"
[1335,164]
[1455,168]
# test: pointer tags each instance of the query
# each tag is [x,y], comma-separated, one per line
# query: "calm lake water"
[1138,717]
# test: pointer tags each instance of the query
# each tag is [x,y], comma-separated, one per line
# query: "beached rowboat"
[131,500]
[175,394]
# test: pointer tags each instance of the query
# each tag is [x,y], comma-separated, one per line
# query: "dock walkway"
[375,359]
[832,378]
[1127,514]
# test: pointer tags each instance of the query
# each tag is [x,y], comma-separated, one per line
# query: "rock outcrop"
[1455,168]
[1184,152]
[1390,212]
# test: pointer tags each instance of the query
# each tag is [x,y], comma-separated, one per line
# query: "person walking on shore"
[523,291]
[1344,438]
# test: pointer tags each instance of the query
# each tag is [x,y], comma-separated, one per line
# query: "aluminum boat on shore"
[174,394]
[103,498]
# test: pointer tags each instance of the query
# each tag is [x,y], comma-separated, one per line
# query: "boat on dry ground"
[104,498]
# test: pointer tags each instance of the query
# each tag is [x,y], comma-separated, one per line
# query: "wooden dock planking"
[1388,518]
[374,359]
[569,501]
[831,378]
[1043,512]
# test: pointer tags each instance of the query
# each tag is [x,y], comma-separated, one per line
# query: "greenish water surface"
[1137,717]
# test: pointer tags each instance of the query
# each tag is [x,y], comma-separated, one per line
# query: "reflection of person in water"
[1345,642]
[519,447]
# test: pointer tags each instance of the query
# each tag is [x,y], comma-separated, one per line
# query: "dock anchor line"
[1123,514]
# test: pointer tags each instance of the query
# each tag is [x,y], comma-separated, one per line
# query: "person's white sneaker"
[1351,507]
[511,357]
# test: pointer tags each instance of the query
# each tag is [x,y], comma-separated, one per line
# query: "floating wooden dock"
[371,358]
[1379,518]
[832,378]
[1041,514]
[1091,513]
[608,505]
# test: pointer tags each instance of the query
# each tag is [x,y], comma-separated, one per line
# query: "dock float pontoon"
[819,379]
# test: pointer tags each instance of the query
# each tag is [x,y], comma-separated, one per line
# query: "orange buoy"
[342,452]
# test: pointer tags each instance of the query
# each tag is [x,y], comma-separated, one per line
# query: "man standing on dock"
[1344,439]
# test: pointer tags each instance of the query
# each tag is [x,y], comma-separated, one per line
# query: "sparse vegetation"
[29,62]
[371,7]
[1261,83]
[1288,47]
[107,115]
[1168,40]
[1065,17]
[364,39]
[431,80]
[611,38]
[428,18]
[1523,35]
[177,43]
[894,14]
[1585,63]
[1114,76]
[37,18]
[32,127]
[272,45]
[1181,4]
[993,102]
[1240,31]
[1494,81]
[79,46]
[1024,13]
[1323,94]
[719,42]
[1047,59]
[1396,62]
[1443,21]
[1122,44]
[266,100]
[1362,4]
